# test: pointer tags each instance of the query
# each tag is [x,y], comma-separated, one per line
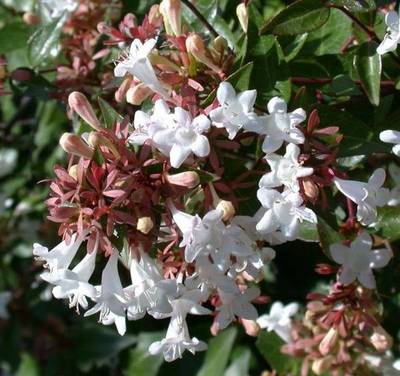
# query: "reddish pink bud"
[120,94]
[138,94]
[31,18]
[329,341]
[171,12]
[311,190]
[187,179]
[195,46]
[242,13]
[381,339]
[79,103]
[251,327]
[155,17]
[97,140]
[73,144]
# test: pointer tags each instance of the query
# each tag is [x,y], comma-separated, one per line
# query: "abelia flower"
[137,63]
[235,111]
[5,298]
[391,137]
[367,196]
[279,320]
[280,125]
[110,300]
[56,8]
[392,37]
[284,213]
[285,170]
[237,304]
[358,260]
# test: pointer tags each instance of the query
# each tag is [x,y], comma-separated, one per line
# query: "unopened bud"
[316,306]
[322,365]
[73,171]
[311,190]
[219,45]
[251,327]
[73,144]
[120,94]
[97,139]
[329,341]
[155,17]
[227,208]
[381,339]
[171,12]
[79,103]
[242,13]
[138,94]
[144,225]
[31,18]
[187,179]
[195,46]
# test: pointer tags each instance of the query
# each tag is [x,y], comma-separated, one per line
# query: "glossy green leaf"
[110,116]
[240,364]
[369,66]
[300,17]
[389,222]
[328,236]
[28,366]
[13,36]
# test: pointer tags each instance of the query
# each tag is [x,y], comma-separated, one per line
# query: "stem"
[370,32]
[323,81]
[201,18]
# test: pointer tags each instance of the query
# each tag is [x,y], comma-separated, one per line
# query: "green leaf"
[28,366]
[269,345]
[300,17]
[292,46]
[141,362]
[308,232]
[13,36]
[218,352]
[356,5]
[44,40]
[368,66]
[110,116]
[388,222]
[327,236]
[240,364]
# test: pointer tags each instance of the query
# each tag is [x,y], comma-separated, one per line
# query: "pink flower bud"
[73,144]
[311,190]
[329,341]
[138,94]
[187,179]
[227,208]
[79,103]
[195,46]
[251,327]
[144,225]
[97,140]
[31,18]
[242,13]
[322,365]
[155,17]
[171,12]
[120,94]
[381,339]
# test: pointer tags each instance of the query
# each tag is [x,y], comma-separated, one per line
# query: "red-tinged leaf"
[313,121]
[195,85]
[328,131]
[227,144]
[114,193]
[111,178]
[63,175]
[56,189]
[122,217]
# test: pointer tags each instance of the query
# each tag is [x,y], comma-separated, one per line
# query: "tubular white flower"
[285,170]
[358,260]
[280,126]
[137,63]
[392,37]
[110,300]
[235,111]
[367,196]
[279,320]
[391,137]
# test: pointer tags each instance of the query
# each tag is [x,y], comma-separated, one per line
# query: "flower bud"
[311,190]
[251,327]
[328,342]
[120,94]
[144,225]
[321,365]
[381,339]
[187,179]
[227,208]
[73,144]
[31,18]
[242,13]
[195,46]
[97,139]
[79,103]
[171,12]
[138,94]
[73,171]
[155,17]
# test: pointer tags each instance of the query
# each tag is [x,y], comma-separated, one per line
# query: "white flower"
[74,283]
[111,300]
[358,260]
[285,170]
[285,211]
[279,319]
[236,304]
[5,298]
[280,126]
[137,63]
[61,256]
[392,37]
[8,161]
[235,111]
[188,137]
[394,195]
[56,8]
[367,196]
[384,365]
[392,137]
[177,339]
[149,291]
